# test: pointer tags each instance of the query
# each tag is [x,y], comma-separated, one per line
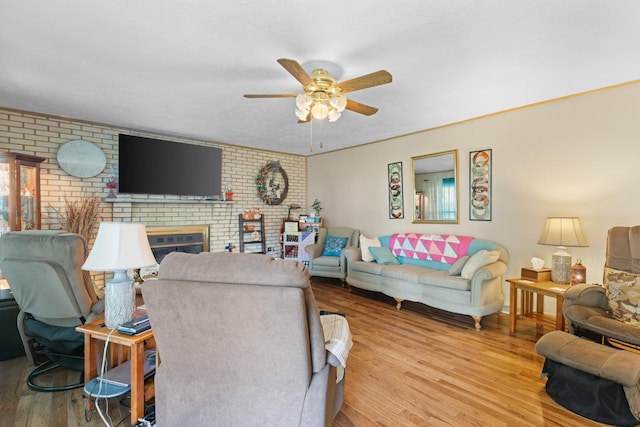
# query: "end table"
[541,289]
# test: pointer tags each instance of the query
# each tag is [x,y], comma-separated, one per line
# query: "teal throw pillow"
[334,245]
[383,255]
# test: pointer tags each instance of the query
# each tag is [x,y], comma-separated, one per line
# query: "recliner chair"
[331,266]
[586,306]
[43,270]
[240,342]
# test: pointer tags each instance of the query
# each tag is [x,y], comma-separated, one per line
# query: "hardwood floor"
[413,367]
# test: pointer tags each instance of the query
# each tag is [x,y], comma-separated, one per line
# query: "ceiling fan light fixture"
[303,101]
[339,102]
[333,115]
[322,95]
[320,111]
[302,114]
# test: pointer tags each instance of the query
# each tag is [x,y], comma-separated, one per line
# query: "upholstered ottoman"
[590,379]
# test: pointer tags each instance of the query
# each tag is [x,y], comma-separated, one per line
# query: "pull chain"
[311,133]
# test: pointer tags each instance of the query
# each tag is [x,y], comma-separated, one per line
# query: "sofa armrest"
[314,250]
[489,271]
[352,253]
[486,284]
[588,295]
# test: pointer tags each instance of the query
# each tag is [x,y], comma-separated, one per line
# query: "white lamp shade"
[120,246]
[563,231]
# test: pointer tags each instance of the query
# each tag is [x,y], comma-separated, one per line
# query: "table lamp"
[119,246]
[562,232]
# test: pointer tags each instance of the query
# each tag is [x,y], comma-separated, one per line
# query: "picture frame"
[291,226]
[480,185]
[303,218]
[396,198]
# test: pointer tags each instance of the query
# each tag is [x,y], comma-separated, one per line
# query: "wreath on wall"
[272,183]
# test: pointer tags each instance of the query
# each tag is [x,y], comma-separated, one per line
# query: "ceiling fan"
[323,97]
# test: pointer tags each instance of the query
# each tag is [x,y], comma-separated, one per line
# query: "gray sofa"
[430,282]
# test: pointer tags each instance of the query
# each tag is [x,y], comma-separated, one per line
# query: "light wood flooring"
[413,367]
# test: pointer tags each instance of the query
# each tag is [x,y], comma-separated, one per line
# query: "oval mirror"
[435,188]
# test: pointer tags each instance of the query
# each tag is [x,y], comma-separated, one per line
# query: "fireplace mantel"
[187,201]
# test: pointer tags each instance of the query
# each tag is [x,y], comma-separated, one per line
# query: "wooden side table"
[121,344]
[541,289]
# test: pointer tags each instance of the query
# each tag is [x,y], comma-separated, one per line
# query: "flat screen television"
[152,166]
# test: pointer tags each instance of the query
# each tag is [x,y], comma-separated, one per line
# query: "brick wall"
[42,135]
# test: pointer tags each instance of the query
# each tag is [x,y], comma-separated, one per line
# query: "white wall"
[578,156]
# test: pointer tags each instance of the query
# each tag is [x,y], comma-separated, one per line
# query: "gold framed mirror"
[435,188]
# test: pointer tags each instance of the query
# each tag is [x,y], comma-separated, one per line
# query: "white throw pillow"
[365,244]
[478,260]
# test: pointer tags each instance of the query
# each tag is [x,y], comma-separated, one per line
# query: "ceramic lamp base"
[120,300]
[561,266]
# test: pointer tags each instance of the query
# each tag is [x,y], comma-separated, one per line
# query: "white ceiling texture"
[180,68]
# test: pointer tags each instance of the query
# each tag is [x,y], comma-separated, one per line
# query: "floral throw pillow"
[334,245]
[623,293]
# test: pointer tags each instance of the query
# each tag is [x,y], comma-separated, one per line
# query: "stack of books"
[136,326]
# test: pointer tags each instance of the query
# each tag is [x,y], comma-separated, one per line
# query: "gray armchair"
[331,266]
[240,342]
[54,295]
[586,307]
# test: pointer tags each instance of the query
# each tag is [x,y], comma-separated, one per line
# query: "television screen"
[152,166]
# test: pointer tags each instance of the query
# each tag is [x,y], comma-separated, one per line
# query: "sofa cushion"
[442,279]
[478,260]
[405,272]
[327,261]
[365,244]
[414,274]
[623,293]
[334,245]
[383,255]
[367,267]
[456,268]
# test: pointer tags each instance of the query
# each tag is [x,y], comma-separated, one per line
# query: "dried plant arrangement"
[79,215]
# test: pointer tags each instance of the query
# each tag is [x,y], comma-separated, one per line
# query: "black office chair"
[54,295]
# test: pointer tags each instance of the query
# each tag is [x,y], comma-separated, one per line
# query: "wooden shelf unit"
[252,236]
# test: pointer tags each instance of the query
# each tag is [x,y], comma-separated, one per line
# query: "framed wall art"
[480,177]
[396,202]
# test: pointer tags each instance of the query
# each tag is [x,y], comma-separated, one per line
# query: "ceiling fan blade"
[296,70]
[374,79]
[360,108]
[276,95]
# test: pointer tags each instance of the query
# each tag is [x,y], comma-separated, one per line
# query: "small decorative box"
[541,275]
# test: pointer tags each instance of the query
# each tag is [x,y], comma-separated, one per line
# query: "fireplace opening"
[190,239]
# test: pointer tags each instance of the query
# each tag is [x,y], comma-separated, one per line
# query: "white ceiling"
[181,67]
